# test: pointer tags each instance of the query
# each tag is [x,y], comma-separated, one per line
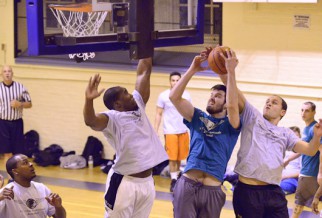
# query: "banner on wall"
[301,21]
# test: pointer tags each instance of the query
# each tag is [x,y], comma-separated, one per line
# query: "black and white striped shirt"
[16,91]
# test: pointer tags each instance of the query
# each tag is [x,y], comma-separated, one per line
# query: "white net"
[78,23]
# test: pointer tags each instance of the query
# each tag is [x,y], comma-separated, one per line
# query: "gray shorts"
[305,191]
[193,199]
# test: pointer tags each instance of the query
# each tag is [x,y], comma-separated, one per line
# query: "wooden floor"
[82,192]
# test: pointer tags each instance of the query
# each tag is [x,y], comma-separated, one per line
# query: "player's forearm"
[320,164]
[318,193]
[26,104]
[60,212]
[177,91]
[293,157]
[89,113]
[232,100]
[223,78]
[144,66]
[142,85]
[241,98]
[314,145]
[157,122]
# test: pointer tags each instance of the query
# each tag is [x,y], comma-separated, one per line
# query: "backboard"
[108,25]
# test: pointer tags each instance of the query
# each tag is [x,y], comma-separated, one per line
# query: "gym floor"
[82,192]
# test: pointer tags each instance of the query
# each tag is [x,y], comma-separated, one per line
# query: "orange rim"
[82,7]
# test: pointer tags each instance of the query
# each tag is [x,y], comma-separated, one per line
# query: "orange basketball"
[216,62]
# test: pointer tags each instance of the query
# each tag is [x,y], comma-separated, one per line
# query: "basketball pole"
[141,26]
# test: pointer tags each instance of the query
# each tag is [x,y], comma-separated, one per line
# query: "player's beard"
[215,110]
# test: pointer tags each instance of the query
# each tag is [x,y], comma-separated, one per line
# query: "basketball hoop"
[79,20]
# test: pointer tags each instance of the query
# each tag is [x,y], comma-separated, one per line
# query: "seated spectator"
[26,198]
[292,167]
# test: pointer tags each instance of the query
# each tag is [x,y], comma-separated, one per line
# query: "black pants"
[11,136]
[259,201]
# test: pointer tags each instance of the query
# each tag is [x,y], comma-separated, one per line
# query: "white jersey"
[262,147]
[293,167]
[172,119]
[134,140]
[28,202]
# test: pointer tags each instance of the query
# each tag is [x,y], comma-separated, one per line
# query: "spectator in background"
[26,198]
[292,167]
[307,184]
[175,131]
[14,97]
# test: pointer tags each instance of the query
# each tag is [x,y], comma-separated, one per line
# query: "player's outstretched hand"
[92,87]
[205,53]
[231,60]
[7,193]
[196,64]
[54,200]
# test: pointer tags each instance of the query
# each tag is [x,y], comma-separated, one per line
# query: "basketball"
[216,62]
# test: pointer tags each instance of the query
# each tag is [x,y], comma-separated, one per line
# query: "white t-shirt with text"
[28,202]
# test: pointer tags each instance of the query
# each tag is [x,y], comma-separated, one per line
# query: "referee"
[14,97]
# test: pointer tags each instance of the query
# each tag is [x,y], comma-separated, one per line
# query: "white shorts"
[134,197]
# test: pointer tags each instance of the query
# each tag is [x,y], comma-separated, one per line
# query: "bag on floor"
[31,143]
[94,148]
[49,156]
[72,162]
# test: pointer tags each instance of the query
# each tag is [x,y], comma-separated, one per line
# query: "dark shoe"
[173,183]
[179,175]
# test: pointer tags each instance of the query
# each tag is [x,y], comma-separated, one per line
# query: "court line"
[93,186]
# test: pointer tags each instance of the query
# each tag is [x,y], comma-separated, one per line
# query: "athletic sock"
[174,175]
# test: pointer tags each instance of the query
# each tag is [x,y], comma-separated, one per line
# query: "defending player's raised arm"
[241,97]
[143,78]
[231,63]
[96,121]
[184,107]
